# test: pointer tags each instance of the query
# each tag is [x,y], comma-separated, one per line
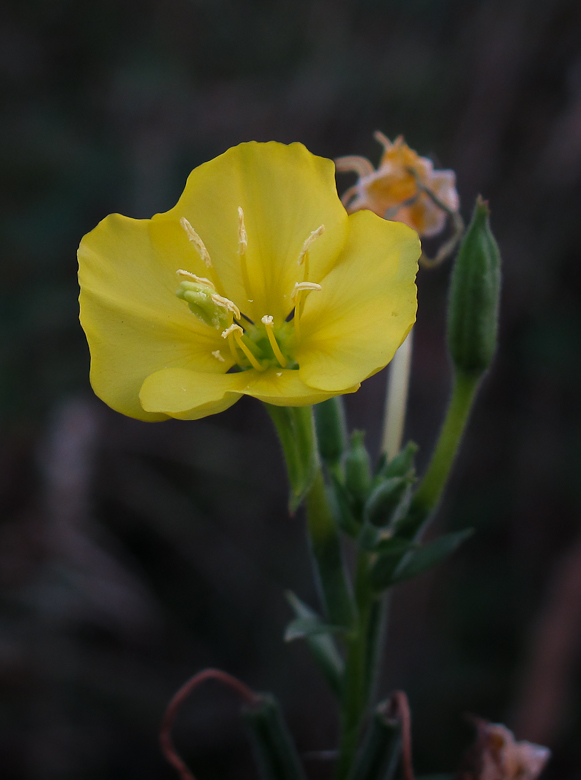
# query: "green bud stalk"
[472,335]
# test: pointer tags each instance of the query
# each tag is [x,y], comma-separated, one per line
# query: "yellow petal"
[188,395]
[282,387]
[285,193]
[134,322]
[367,305]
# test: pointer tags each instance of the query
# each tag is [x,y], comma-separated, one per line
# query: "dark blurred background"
[133,555]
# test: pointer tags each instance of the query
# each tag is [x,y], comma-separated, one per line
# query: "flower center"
[252,345]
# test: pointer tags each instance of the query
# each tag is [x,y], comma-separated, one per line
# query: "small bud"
[383,503]
[331,429]
[399,466]
[357,469]
[474,297]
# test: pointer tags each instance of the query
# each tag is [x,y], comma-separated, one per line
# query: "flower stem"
[328,555]
[360,670]
[427,496]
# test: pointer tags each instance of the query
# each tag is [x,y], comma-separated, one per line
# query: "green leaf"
[301,628]
[383,570]
[321,644]
[425,558]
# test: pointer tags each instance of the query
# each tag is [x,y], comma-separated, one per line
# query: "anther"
[199,279]
[267,321]
[196,241]
[242,236]
[227,304]
[218,355]
[299,286]
[308,242]
[304,253]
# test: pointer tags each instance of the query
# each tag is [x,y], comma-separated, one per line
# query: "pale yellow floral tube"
[396,398]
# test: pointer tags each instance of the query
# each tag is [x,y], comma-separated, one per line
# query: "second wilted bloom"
[399,188]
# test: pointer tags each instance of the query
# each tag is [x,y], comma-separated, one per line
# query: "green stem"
[427,496]
[360,666]
[328,555]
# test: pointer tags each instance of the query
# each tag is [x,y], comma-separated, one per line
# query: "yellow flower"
[392,190]
[280,295]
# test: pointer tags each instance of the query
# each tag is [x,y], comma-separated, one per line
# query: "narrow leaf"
[322,645]
[424,558]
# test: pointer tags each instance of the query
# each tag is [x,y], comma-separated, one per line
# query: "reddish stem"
[400,708]
[165,738]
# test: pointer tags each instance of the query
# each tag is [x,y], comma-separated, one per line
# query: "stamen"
[304,253]
[197,242]
[202,251]
[304,286]
[383,140]
[236,331]
[218,355]
[359,165]
[194,278]
[267,321]
[242,247]
[299,299]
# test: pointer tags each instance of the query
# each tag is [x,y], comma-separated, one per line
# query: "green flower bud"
[385,500]
[474,297]
[331,430]
[357,469]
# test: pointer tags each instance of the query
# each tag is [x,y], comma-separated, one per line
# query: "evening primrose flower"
[397,189]
[256,283]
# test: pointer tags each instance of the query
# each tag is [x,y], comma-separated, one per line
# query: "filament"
[242,247]
[267,321]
